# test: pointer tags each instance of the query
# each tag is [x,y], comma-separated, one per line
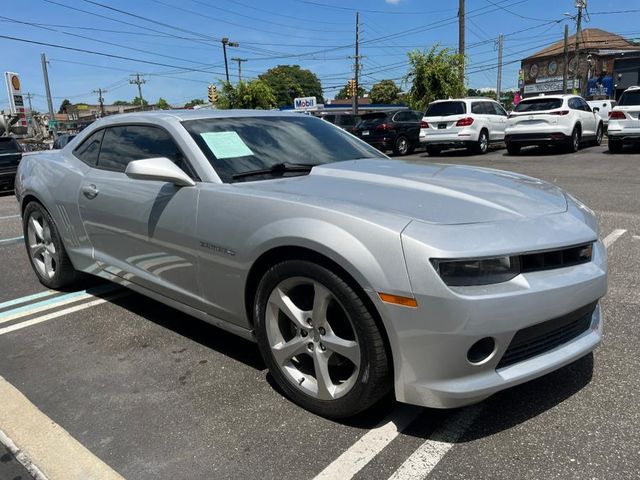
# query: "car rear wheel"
[574,141]
[319,340]
[482,145]
[47,255]
[599,133]
[513,149]
[615,146]
[401,147]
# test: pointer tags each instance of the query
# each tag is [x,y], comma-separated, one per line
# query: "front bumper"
[430,343]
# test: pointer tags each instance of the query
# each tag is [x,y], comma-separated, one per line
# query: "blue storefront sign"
[602,86]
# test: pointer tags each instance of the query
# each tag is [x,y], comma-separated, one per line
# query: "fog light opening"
[481,351]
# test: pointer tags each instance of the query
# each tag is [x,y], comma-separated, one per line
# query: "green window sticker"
[226,144]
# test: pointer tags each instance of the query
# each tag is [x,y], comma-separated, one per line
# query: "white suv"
[473,123]
[624,120]
[555,119]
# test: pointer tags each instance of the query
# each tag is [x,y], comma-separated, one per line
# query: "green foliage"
[63,106]
[290,81]
[344,93]
[385,91]
[121,102]
[136,101]
[162,104]
[433,75]
[194,102]
[255,94]
[474,92]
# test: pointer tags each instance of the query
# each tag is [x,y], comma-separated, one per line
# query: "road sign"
[16,102]
[53,123]
[305,103]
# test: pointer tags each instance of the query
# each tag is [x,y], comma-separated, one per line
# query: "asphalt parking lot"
[151,393]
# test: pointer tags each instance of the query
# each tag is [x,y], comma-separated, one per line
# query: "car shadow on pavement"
[193,328]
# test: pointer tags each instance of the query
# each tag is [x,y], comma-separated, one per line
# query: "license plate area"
[442,126]
[365,133]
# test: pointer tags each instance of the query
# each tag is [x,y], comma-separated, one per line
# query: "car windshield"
[9,145]
[630,98]
[238,145]
[371,120]
[445,109]
[538,105]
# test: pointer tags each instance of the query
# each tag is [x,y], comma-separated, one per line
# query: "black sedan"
[397,130]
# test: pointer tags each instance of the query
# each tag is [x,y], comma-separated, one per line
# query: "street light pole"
[225,41]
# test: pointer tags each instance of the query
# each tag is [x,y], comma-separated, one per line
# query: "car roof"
[200,114]
[465,99]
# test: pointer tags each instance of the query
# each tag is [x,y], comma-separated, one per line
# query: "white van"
[605,107]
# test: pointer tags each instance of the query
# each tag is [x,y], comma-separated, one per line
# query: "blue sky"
[182,40]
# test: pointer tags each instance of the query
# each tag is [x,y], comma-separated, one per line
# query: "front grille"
[545,336]
[548,260]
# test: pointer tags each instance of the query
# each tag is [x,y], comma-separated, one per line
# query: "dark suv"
[10,156]
[397,130]
[346,121]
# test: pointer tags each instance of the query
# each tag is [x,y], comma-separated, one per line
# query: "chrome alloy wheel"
[484,142]
[312,338]
[41,248]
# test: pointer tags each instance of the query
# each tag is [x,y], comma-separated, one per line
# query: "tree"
[342,94]
[385,91]
[162,104]
[474,92]
[433,75]
[136,102]
[194,102]
[290,81]
[63,106]
[255,94]
[121,102]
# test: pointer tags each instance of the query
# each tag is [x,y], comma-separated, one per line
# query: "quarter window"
[124,144]
[89,149]
[476,108]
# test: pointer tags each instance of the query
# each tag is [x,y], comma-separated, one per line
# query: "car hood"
[433,193]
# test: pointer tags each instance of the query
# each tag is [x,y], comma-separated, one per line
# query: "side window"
[401,117]
[499,110]
[585,106]
[124,144]
[416,116]
[88,150]
[573,104]
[476,107]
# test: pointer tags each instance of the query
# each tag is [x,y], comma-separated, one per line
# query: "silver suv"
[624,120]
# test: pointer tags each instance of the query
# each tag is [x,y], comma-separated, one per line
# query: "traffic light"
[213,94]
[351,87]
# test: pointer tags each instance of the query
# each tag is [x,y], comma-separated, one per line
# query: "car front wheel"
[47,255]
[319,340]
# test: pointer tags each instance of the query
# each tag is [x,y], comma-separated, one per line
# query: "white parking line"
[8,217]
[613,236]
[370,444]
[8,241]
[426,457]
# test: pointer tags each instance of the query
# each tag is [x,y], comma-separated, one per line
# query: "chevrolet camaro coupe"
[357,275]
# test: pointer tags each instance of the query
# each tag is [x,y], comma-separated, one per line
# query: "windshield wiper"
[277,169]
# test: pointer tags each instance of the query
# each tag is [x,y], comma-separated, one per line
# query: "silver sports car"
[355,274]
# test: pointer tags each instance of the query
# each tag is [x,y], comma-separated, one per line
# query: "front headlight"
[481,271]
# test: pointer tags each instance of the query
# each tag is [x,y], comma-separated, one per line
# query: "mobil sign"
[305,103]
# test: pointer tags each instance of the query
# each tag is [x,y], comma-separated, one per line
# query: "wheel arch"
[293,252]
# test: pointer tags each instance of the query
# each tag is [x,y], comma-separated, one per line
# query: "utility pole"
[225,41]
[356,66]
[461,31]
[29,95]
[499,85]
[101,100]
[239,60]
[138,81]
[45,74]
[565,68]
[580,4]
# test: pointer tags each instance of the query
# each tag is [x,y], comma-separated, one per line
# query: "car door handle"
[90,191]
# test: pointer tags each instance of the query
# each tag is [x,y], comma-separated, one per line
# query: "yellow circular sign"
[15,82]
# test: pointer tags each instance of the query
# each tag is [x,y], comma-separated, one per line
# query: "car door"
[499,121]
[591,119]
[141,230]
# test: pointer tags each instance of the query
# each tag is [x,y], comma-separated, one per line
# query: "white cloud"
[393,2]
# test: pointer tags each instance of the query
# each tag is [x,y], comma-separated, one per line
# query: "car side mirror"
[596,109]
[159,169]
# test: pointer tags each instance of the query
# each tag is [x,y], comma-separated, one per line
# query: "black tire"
[573,145]
[434,151]
[615,146]
[482,145]
[374,378]
[401,145]
[65,274]
[513,149]
[599,134]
